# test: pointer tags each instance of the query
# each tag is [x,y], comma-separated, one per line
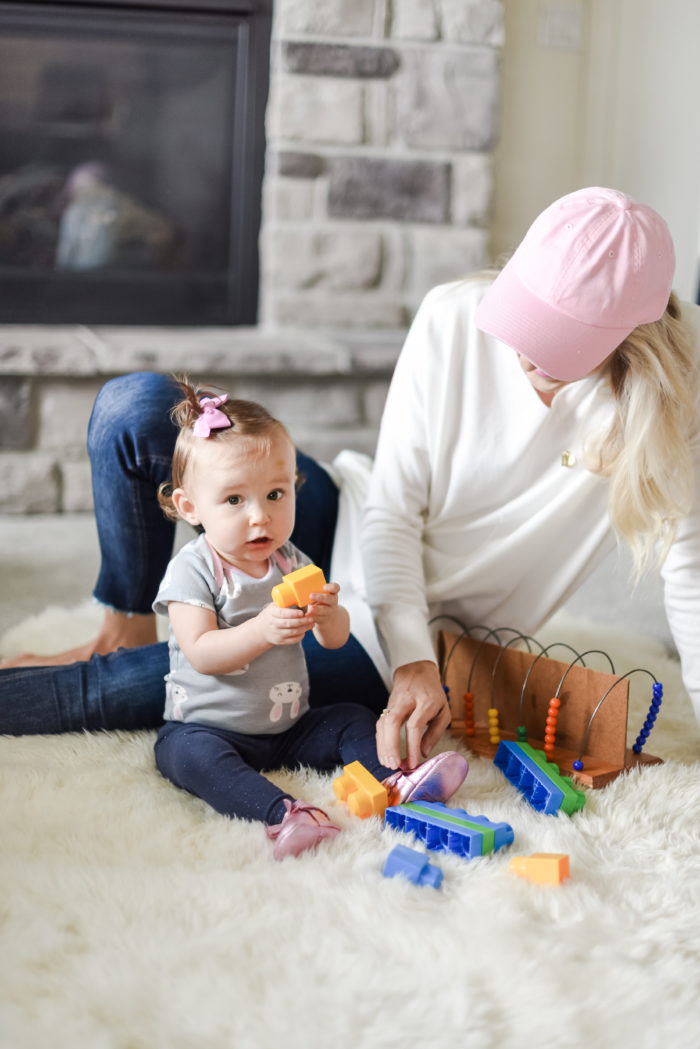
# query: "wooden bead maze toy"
[575,714]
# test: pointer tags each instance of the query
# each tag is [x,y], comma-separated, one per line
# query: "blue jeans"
[224,767]
[130,443]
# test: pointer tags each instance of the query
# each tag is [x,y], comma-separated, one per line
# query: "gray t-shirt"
[267,695]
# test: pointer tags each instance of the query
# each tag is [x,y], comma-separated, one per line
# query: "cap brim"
[563,347]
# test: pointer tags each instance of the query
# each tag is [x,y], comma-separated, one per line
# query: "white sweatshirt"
[470,511]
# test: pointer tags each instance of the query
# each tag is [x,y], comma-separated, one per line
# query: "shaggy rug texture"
[134,917]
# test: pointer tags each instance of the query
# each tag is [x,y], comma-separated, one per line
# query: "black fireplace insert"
[131,160]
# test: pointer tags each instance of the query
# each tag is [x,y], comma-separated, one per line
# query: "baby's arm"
[331,621]
[211,650]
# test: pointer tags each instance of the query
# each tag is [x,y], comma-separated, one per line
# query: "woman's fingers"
[388,739]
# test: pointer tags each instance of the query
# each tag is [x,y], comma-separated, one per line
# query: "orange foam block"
[544,868]
[363,794]
[296,587]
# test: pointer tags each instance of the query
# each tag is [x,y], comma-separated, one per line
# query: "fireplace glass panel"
[130,165]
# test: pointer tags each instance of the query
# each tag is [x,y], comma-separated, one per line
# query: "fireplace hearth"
[131,160]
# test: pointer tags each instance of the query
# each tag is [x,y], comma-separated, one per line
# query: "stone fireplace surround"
[380,126]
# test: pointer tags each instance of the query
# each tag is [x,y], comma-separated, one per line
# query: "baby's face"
[245,499]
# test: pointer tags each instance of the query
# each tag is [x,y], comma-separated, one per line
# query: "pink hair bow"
[211,418]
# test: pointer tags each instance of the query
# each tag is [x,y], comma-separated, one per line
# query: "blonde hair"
[250,422]
[645,453]
[654,376]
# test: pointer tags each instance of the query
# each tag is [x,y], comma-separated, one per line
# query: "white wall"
[536,156]
[615,104]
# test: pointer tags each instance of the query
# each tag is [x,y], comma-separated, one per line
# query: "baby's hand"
[283,626]
[322,606]
[331,621]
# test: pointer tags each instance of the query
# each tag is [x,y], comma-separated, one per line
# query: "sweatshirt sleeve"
[681,569]
[681,576]
[392,528]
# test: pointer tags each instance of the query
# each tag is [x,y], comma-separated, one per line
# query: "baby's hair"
[250,422]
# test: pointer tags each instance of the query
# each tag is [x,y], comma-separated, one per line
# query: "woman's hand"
[417,700]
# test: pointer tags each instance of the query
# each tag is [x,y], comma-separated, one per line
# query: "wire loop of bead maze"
[576,714]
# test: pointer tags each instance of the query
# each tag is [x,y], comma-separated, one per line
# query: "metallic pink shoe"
[302,827]
[436,779]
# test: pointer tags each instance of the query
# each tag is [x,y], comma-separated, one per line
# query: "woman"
[470,511]
[502,478]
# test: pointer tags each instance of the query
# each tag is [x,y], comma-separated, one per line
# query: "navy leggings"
[224,768]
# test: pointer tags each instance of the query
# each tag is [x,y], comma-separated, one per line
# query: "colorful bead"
[657,693]
[550,733]
[494,734]
[578,765]
[469,726]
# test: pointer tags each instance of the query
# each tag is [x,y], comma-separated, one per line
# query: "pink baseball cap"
[592,267]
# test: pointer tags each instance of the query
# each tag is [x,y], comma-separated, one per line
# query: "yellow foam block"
[544,868]
[363,794]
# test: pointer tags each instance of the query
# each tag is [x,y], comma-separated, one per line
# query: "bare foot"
[118,630]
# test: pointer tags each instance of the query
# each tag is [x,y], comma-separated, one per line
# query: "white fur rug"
[134,917]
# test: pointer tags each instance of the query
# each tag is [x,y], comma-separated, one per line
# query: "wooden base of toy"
[496,673]
[595,773]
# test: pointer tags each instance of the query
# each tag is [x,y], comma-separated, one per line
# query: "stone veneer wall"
[381,120]
[380,125]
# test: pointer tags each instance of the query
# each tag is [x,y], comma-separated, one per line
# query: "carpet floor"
[132,916]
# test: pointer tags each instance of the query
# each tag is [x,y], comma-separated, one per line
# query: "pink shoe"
[436,779]
[302,827]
